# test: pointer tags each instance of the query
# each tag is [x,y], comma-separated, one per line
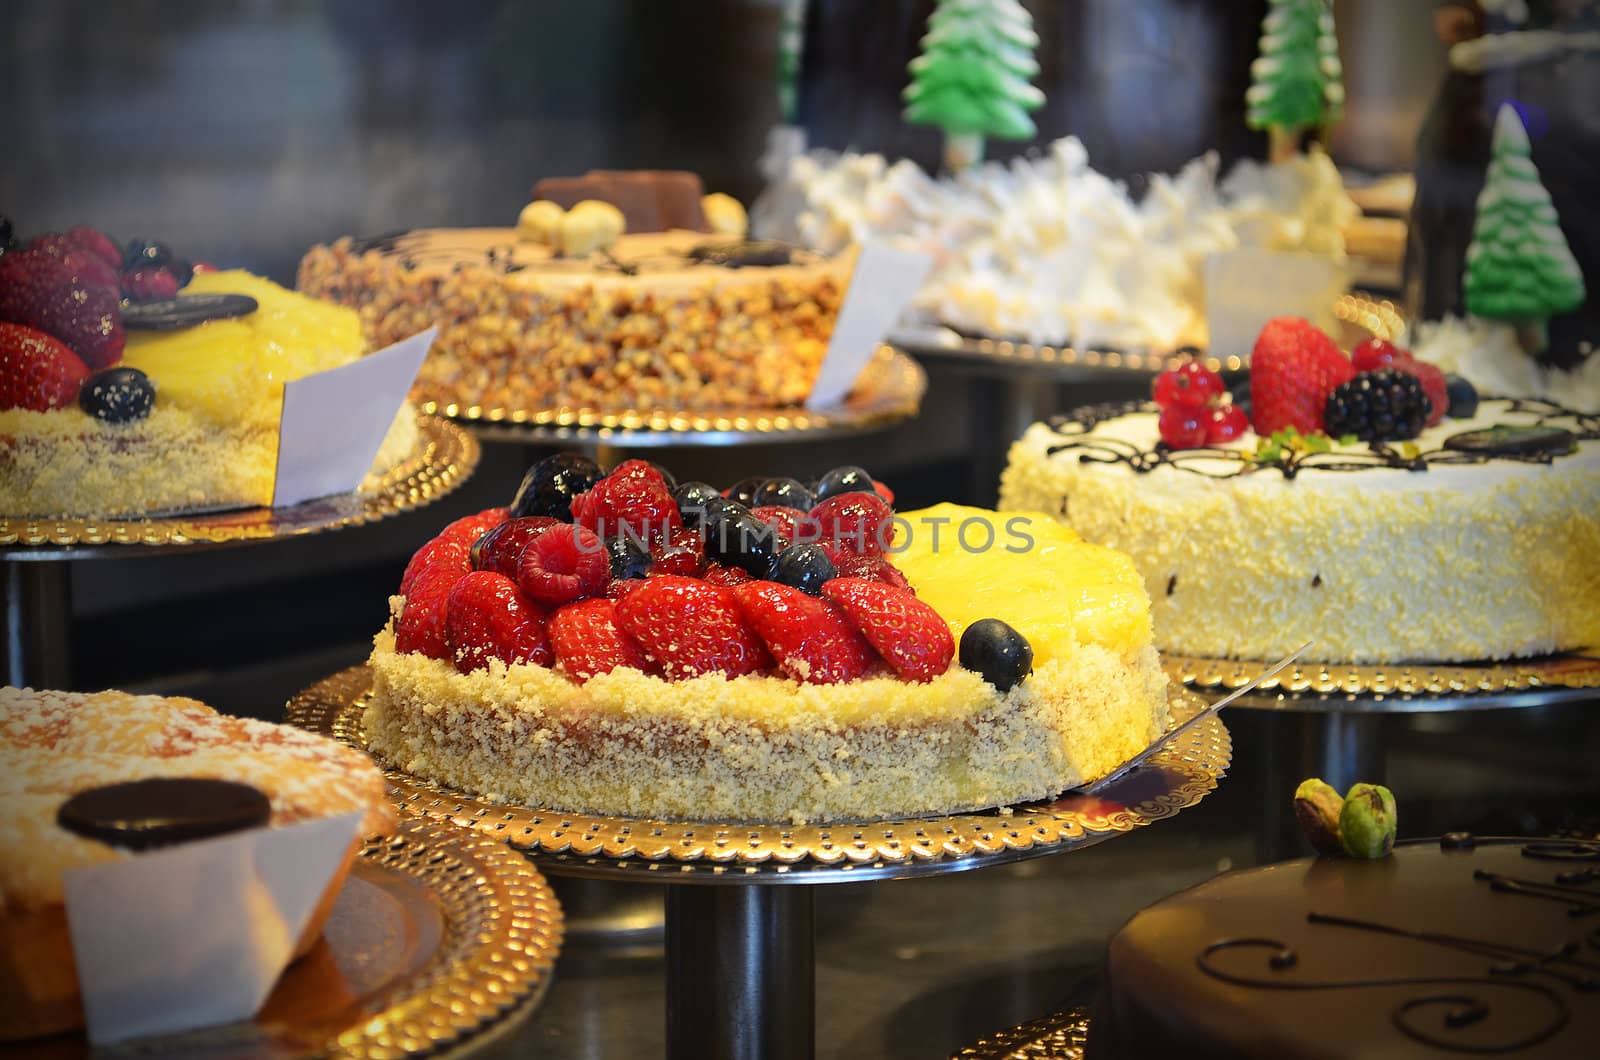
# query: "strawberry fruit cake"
[786,651]
[1366,503]
[134,384]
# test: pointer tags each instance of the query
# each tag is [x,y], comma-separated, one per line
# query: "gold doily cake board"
[1550,677]
[1059,1036]
[1361,315]
[444,457]
[441,941]
[889,390]
[670,851]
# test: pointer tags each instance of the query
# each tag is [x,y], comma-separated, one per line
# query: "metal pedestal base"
[741,980]
[38,624]
[621,919]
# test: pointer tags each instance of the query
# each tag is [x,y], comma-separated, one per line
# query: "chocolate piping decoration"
[1379,455]
[408,246]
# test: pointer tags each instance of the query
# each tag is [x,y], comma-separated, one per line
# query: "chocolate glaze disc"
[144,814]
[758,253]
[1502,440]
[185,311]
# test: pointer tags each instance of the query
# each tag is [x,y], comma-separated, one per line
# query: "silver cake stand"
[739,928]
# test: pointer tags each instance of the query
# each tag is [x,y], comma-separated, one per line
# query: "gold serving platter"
[1574,670]
[441,940]
[1359,315]
[890,389]
[444,457]
[1059,1036]
[1178,777]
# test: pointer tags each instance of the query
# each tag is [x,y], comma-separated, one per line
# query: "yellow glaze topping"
[1027,570]
[232,371]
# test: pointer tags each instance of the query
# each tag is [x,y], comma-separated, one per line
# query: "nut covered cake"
[790,652]
[1379,528]
[653,320]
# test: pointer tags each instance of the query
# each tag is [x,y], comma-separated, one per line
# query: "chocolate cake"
[1449,946]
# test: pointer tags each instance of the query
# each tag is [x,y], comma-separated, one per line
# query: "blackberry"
[1378,406]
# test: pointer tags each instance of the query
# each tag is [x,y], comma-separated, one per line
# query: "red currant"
[1190,385]
[1373,354]
[1227,423]
[1183,428]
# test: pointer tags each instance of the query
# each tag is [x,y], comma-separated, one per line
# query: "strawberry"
[488,617]
[36,371]
[563,564]
[501,547]
[874,568]
[621,587]
[587,641]
[681,552]
[1293,369]
[441,551]
[97,243]
[39,291]
[717,574]
[859,522]
[689,627]
[469,528]
[811,638]
[908,633]
[149,284]
[421,628]
[82,262]
[787,523]
[883,491]
[631,500]
[1433,384]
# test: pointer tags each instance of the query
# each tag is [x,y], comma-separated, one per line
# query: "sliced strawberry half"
[37,371]
[812,639]
[421,628]
[488,617]
[689,627]
[908,633]
[588,642]
[447,552]
[858,522]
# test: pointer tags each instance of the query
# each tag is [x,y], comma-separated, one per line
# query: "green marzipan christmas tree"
[972,77]
[1296,82]
[1519,266]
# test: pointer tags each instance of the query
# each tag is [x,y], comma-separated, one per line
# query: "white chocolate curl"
[540,222]
[589,226]
[725,215]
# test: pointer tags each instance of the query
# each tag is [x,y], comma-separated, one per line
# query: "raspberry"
[1293,369]
[682,552]
[488,617]
[563,564]
[587,641]
[908,633]
[501,547]
[1227,423]
[1373,354]
[631,500]
[811,638]
[147,284]
[689,627]
[859,522]
[36,371]
[1191,385]
[1433,384]
[421,627]
[883,491]
[717,574]
[1183,427]
[39,291]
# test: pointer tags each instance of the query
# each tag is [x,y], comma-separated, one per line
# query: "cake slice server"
[1161,741]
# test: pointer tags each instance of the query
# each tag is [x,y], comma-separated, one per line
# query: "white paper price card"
[333,422]
[1247,288]
[883,284]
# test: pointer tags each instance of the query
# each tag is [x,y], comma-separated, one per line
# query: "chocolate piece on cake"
[652,200]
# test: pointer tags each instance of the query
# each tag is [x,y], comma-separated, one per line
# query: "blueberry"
[805,567]
[1463,397]
[666,476]
[8,238]
[744,491]
[1001,655]
[1241,394]
[784,493]
[694,500]
[146,252]
[118,395]
[550,485]
[847,479]
[628,558]
[739,539]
